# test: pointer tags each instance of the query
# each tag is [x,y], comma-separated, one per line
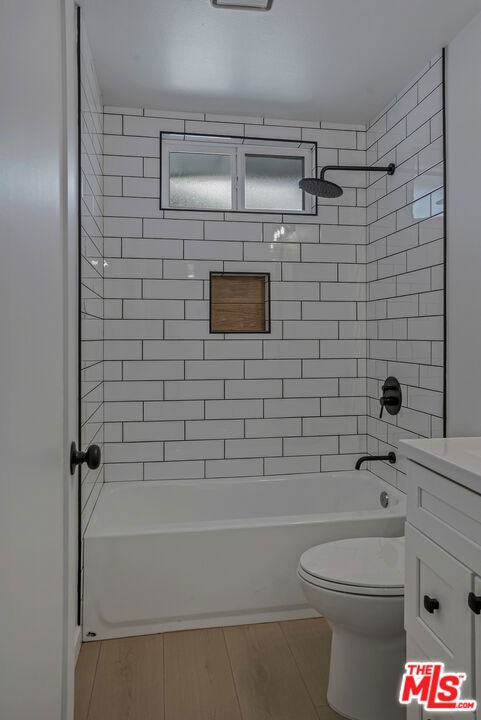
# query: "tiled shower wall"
[91,288]
[181,403]
[405,266]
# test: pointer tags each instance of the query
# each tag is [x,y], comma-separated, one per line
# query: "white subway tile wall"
[188,404]
[405,264]
[92,282]
[357,295]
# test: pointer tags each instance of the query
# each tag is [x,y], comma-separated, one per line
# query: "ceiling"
[330,60]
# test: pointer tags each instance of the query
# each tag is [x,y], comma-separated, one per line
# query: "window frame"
[237,146]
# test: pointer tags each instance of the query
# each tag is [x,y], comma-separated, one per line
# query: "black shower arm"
[389,169]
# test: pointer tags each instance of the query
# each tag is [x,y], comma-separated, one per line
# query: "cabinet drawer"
[444,634]
[436,505]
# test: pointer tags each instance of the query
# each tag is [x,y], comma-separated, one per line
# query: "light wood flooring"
[272,671]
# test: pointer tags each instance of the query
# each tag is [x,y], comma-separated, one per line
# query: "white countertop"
[458,459]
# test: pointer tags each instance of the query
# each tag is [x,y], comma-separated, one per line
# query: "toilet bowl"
[358,586]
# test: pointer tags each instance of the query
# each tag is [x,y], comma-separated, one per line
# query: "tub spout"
[391,457]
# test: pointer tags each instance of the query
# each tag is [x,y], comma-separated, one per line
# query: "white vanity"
[443,561]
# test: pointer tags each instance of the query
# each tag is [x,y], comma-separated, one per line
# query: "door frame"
[72,160]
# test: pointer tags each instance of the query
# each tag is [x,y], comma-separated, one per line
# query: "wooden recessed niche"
[239,302]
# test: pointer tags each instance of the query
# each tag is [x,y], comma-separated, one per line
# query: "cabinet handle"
[474,602]
[430,604]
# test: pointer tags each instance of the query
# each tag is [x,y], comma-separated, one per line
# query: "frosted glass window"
[272,183]
[235,174]
[200,181]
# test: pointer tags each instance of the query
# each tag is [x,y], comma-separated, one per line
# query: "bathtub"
[162,556]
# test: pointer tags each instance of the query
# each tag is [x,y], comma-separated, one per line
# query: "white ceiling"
[329,60]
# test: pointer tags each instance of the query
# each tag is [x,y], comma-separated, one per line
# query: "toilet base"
[365,675]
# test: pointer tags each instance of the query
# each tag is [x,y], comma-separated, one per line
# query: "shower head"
[327,189]
[320,187]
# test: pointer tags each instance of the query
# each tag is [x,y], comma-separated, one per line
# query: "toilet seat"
[357,566]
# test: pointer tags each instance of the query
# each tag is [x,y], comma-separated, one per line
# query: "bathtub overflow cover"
[384,499]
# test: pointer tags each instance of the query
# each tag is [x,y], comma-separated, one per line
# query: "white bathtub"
[165,556]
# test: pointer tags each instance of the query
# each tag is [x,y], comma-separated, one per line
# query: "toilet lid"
[370,565]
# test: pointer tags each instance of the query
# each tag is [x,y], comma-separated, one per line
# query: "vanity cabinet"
[443,574]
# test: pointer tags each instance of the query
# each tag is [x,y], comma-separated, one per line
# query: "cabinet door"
[414,711]
[477,648]
[445,633]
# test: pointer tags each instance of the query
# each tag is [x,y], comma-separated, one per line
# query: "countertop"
[458,459]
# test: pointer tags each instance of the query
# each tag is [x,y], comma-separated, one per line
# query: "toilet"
[358,586]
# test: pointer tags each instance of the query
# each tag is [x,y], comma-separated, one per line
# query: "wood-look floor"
[272,671]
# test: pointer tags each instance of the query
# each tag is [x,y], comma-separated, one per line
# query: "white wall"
[35,487]
[92,285]
[405,256]
[464,231]
[310,414]
[182,403]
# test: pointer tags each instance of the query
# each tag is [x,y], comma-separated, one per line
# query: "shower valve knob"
[391,398]
[385,402]
[92,456]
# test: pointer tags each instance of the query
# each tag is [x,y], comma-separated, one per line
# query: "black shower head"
[320,187]
[326,189]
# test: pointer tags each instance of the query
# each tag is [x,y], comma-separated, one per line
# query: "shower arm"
[389,169]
